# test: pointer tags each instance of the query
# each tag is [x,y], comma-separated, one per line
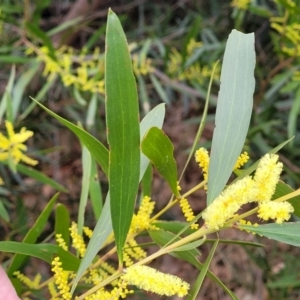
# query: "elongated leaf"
[122,119]
[45,252]
[197,286]
[62,222]
[159,149]
[233,110]
[190,246]
[288,233]
[3,212]
[85,185]
[20,87]
[96,148]
[41,177]
[32,235]
[284,189]
[104,226]
[293,116]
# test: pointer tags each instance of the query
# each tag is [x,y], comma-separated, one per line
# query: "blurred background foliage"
[54,52]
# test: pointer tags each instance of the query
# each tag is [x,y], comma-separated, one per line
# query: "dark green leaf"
[32,235]
[159,149]
[233,110]
[122,119]
[45,252]
[62,222]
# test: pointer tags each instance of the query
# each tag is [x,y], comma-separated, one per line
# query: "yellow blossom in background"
[192,46]
[267,176]
[240,4]
[133,251]
[241,161]
[278,211]
[151,280]
[188,212]
[228,203]
[32,284]
[61,278]
[202,158]
[13,145]
[77,240]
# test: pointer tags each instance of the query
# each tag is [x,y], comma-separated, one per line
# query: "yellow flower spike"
[133,250]
[12,146]
[141,221]
[151,280]
[61,242]
[188,212]
[61,278]
[52,289]
[278,211]
[77,240]
[32,284]
[228,203]
[241,161]
[202,158]
[267,176]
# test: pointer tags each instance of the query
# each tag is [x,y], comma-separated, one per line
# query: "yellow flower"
[267,176]
[242,160]
[61,278]
[228,203]
[77,240]
[13,147]
[188,212]
[132,250]
[61,242]
[141,221]
[32,284]
[154,281]
[278,211]
[202,158]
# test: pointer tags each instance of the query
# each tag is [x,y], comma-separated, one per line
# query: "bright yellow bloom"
[242,160]
[133,250]
[32,284]
[77,240]
[154,281]
[141,221]
[267,176]
[13,147]
[61,242]
[202,158]
[278,211]
[188,212]
[228,203]
[88,232]
[61,278]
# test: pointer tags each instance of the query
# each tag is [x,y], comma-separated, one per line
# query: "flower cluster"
[141,220]
[154,281]
[61,278]
[32,284]
[13,145]
[260,189]
[240,4]
[188,212]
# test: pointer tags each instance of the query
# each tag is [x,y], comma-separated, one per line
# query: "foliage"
[156,66]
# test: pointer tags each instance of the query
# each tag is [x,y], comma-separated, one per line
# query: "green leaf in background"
[104,226]
[294,116]
[20,86]
[123,134]
[45,252]
[159,149]
[62,222]
[41,177]
[32,235]
[283,189]
[198,283]
[96,148]
[288,233]
[233,110]
[3,212]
